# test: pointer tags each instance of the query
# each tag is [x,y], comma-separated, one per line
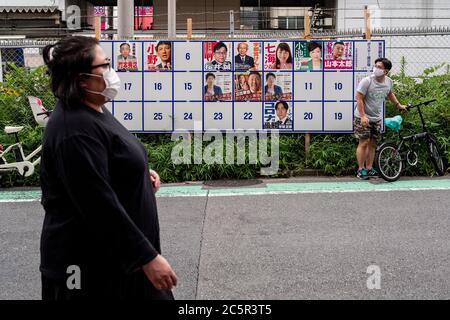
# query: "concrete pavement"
[307,238]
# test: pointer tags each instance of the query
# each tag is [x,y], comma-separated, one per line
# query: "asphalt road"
[315,245]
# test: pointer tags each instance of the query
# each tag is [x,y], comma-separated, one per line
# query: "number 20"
[308,116]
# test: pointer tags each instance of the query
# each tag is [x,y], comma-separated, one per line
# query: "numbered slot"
[188,116]
[308,86]
[248,115]
[218,116]
[129,114]
[308,116]
[338,86]
[130,87]
[188,86]
[338,116]
[188,56]
[158,116]
[158,86]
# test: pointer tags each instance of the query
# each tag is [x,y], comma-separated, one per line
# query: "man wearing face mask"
[370,96]
[101,224]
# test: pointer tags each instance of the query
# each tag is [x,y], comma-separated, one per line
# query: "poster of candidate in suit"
[159,55]
[278,86]
[127,59]
[247,56]
[217,56]
[277,115]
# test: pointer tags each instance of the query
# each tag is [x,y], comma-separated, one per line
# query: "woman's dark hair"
[65,60]
[209,75]
[285,47]
[314,45]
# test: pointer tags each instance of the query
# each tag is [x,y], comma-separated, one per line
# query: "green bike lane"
[270,186]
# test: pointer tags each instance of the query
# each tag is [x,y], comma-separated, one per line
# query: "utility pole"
[232,23]
[172,19]
[125,17]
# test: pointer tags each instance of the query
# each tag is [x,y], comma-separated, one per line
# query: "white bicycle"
[24,164]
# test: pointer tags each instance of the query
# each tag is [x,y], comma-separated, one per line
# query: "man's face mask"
[112,82]
[378,72]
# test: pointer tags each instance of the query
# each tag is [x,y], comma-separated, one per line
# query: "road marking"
[230,194]
[270,189]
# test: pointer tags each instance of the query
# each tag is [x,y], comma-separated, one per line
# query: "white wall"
[420,52]
[393,13]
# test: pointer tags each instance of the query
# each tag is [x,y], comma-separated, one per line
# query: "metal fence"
[22,73]
[421,48]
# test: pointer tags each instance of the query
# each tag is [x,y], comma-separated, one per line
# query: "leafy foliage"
[334,154]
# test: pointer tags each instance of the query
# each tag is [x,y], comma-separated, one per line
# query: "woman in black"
[97,191]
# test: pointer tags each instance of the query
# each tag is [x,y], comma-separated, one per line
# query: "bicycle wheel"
[389,162]
[436,157]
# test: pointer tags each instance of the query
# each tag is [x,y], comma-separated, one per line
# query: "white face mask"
[112,82]
[378,72]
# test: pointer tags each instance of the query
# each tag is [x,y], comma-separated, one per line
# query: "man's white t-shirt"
[374,95]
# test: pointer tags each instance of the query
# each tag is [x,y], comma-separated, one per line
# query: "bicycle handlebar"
[410,106]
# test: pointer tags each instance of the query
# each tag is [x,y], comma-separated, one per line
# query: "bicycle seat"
[9,130]
[39,112]
[394,123]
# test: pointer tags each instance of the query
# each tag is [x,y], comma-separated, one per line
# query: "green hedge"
[333,154]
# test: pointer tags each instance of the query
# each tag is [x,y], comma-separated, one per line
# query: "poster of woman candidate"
[308,55]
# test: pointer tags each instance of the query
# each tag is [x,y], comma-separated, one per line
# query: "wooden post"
[189,37]
[98,27]
[367,27]
[189,28]
[307,35]
[307,25]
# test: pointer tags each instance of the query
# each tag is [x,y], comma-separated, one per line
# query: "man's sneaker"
[362,174]
[372,173]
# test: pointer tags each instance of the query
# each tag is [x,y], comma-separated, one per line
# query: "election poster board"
[289,86]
